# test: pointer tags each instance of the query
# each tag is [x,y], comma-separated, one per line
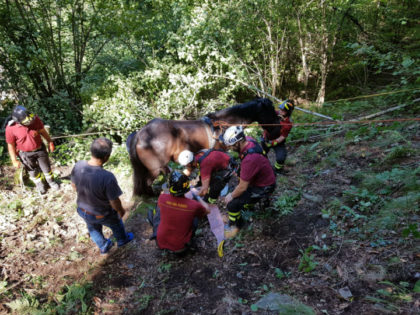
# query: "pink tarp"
[216,223]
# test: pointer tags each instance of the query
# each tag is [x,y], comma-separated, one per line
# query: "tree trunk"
[305,67]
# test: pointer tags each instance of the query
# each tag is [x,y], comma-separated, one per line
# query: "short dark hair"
[101,148]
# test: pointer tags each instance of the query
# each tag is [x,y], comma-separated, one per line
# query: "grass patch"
[73,299]
[398,153]
[395,211]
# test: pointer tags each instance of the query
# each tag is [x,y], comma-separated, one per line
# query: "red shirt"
[215,161]
[176,218]
[285,124]
[26,138]
[256,168]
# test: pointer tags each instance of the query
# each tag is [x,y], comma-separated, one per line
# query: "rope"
[370,95]
[323,123]
[78,135]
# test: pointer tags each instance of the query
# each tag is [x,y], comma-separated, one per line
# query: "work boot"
[40,187]
[49,177]
[280,171]
[230,231]
[54,185]
[39,184]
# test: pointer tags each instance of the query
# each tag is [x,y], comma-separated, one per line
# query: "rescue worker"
[23,137]
[215,168]
[98,197]
[176,217]
[279,144]
[256,178]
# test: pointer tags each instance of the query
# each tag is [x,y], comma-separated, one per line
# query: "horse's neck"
[234,119]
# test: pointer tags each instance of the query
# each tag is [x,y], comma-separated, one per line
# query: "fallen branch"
[387,110]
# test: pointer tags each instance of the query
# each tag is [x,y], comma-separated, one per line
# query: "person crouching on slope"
[176,217]
[256,177]
[215,167]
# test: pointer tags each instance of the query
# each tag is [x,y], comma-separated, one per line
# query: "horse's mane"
[260,109]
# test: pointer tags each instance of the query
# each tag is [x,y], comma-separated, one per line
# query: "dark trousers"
[281,153]
[36,161]
[248,198]
[218,181]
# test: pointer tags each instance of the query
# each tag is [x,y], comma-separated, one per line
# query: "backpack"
[255,149]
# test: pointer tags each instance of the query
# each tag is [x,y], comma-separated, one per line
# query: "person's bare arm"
[11,147]
[203,203]
[278,140]
[47,137]
[204,187]
[74,186]
[45,134]
[116,204]
[239,190]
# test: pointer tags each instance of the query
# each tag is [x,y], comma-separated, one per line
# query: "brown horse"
[161,141]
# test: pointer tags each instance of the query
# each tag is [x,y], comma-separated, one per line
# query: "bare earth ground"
[44,249]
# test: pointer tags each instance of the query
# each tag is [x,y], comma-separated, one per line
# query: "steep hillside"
[340,236]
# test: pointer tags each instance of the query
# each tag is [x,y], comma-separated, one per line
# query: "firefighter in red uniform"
[176,217]
[279,144]
[256,177]
[23,137]
[216,168]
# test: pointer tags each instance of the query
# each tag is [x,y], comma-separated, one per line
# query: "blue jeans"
[94,225]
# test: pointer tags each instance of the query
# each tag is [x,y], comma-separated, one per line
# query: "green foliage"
[165,267]
[361,199]
[398,153]
[411,229]
[72,151]
[26,305]
[17,207]
[285,204]
[75,298]
[144,301]
[280,274]
[395,292]
[376,190]
[307,261]
[416,288]
[384,183]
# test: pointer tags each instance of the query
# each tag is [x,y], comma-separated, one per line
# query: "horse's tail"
[140,172]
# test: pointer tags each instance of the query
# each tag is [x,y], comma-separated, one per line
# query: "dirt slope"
[45,245]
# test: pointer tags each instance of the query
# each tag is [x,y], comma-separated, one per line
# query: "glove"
[16,163]
[51,146]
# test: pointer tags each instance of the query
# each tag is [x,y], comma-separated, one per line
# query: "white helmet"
[233,134]
[185,157]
